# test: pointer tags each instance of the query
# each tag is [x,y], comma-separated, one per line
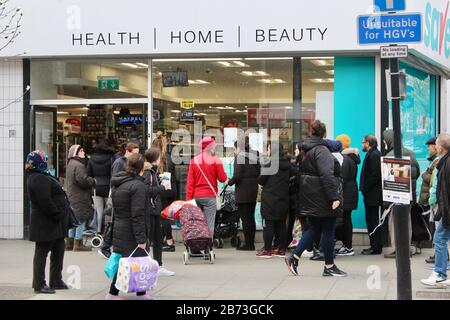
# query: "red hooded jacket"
[212,167]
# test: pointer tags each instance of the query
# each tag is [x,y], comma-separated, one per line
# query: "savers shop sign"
[437,29]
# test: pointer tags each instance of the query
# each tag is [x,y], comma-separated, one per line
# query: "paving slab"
[235,275]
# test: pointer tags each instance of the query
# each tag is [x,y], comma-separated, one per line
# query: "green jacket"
[426,182]
[434,180]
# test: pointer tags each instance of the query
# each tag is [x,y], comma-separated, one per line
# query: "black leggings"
[166,229]
[274,229]
[347,230]
[156,238]
[247,215]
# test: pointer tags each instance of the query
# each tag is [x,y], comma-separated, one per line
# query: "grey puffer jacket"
[79,188]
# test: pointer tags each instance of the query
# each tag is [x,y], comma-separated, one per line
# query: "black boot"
[246,247]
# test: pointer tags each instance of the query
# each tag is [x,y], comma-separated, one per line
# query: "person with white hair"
[442,234]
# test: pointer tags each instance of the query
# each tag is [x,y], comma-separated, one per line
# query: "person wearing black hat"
[426,180]
[49,223]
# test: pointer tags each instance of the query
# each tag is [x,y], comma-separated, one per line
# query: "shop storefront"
[135,72]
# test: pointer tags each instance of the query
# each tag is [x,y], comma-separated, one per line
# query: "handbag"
[296,234]
[112,265]
[137,274]
[219,204]
[73,221]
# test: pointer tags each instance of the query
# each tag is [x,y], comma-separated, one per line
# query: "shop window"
[317,93]
[89,79]
[222,94]
[418,111]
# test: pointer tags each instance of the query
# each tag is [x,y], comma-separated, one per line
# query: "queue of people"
[318,186]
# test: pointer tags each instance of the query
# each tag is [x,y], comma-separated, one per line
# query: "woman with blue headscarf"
[48,224]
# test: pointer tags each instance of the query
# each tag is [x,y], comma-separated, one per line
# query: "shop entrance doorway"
[56,128]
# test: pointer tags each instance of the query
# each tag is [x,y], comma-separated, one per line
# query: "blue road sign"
[390,5]
[392,28]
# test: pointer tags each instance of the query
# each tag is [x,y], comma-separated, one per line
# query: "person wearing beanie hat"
[345,140]
[79,186]
[48,224]
[205,170]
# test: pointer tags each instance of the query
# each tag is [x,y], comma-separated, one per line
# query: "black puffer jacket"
[49,219]
[153,191]
[129,202]
[99,168]
[275,194]
[245,177]
[349,173]
[320,182]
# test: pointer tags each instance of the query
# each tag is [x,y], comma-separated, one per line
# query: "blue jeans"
[441,236]
[77,232]
[325,227]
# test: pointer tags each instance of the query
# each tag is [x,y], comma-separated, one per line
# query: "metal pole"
[400,212]
[297,100]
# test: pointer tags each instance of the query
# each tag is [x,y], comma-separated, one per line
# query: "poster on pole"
[396,180]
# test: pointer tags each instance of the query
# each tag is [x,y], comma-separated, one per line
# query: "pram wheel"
[212,257]
[97,241]
[235,241]
[185,258]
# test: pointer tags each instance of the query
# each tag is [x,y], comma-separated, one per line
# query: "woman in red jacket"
[204,171]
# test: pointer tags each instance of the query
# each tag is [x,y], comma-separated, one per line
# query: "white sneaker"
[307,254]
[435,280]
[163,272]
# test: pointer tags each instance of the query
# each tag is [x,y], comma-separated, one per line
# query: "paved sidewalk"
[234,275]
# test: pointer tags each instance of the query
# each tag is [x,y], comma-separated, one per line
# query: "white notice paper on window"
[230,137]
[256,141]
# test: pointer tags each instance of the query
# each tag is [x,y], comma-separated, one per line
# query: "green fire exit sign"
[108,83]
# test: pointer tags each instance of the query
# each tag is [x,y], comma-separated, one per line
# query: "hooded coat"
[129,201]
[99,167]
[275,193]
[415,168]
[198,185]
[79,187]
[245,177]
[349,173]
[320,181]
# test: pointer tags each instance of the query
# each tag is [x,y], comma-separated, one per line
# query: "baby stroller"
[196,234]
[90,236]
[227,221]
